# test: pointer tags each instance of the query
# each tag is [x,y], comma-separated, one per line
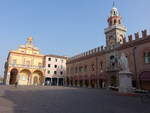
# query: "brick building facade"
[99,67]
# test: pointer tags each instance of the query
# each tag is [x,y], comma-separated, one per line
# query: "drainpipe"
[96,72]
[135,68]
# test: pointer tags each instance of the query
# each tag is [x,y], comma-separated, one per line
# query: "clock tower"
[116,31]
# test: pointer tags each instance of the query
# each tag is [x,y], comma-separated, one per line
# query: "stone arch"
[145,80]
[25,77]
[113,80]
[37,77]
[13,76]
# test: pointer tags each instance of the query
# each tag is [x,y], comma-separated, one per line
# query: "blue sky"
[64,27]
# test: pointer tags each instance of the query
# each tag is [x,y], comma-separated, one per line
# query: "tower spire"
[113,3]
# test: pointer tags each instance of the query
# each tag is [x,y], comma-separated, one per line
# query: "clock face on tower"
[121,39]
[111,41]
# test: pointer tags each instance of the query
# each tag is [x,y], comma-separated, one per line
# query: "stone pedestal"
[125,82]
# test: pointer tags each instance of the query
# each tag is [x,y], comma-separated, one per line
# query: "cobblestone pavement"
[67,100]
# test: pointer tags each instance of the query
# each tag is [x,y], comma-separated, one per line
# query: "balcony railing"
[27,66]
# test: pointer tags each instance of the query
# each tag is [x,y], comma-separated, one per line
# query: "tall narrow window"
[14,61]
[48,71]
[56,59]
[55,72]
[49,59]
[49,65]
[55,66]
[147,57]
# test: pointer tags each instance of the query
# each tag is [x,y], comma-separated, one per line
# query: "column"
[7,78]
[84,83]
[89,84]
[98,84]
[51,81]
[57,81]
[78,83]
[95,83]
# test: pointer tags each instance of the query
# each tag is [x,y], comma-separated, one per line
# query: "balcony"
[27,66]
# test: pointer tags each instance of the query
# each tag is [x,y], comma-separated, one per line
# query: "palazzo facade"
[55,70]
[99,67]
[25,65]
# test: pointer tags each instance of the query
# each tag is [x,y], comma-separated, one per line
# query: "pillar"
[84,83]
[57,81]
[7,78]
[89,84]
[95,83]
[78,83]
[98,84]
[51,81]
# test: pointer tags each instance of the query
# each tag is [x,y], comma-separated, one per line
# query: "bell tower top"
[114,17]
[116,31]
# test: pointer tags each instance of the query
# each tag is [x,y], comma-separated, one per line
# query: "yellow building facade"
[25,65]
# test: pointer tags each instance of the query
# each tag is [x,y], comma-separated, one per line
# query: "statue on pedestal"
[123,62]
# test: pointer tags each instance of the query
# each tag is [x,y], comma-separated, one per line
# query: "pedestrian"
[16,84]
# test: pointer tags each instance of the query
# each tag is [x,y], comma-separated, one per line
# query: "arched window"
[110,23]
[115,21]
[121,39]
[147,57]
[114,13]
[119,22]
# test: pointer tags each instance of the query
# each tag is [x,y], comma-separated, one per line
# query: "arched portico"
[25,77]
[13,76]
[145,80]
[37,77]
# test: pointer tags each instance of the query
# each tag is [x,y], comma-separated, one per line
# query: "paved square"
[67,100]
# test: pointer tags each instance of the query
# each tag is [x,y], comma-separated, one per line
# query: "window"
[49,59]
[85,68]
[93,67]
[27,63]
[55,72]
[56,59]
[115,21]
[147,57]
[76,69]
[80,69]
[61,67]
[119,22]
[48,72]
[49,65]
[14,61]
[101,65]
[55,66]
[40,64]
[62,61]
[114,13]
[61,72]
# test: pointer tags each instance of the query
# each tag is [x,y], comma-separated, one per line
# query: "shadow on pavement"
[67,100]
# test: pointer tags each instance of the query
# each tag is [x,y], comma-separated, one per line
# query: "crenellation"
[137,36]
[124,40]
[102,47]
[130,38]
[144,33]
[95,50]
[98,49]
